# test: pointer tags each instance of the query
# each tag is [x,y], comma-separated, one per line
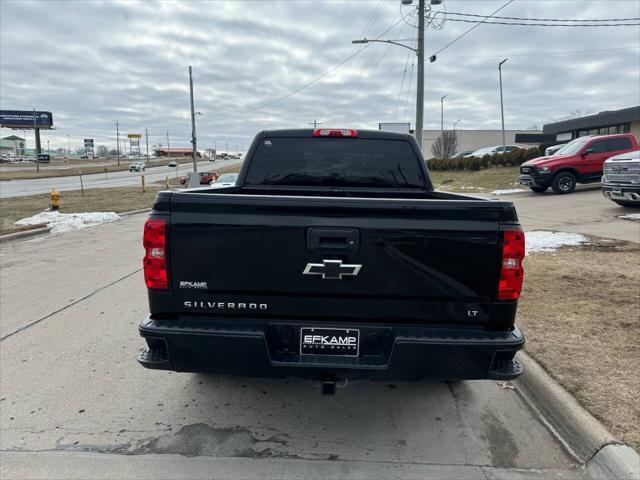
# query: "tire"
[627,204]
[564,182]
[539,189]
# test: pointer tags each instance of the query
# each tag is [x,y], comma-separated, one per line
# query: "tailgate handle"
[332,239]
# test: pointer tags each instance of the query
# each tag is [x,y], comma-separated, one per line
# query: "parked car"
[462,154]
[137,167]
[492,150]
[320,268]
[553,149]
[173,163]
[621,179]
[206,178]
[579,161]
[225,180]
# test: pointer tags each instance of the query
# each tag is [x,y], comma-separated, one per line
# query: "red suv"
[579,161]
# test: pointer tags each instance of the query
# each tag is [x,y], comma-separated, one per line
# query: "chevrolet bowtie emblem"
[331,269]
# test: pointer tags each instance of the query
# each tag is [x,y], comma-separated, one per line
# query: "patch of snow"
[65,222]
[543,241]
[508,192]
[630,216]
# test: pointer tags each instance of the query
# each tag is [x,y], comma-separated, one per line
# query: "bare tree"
[102,150]
[445,145]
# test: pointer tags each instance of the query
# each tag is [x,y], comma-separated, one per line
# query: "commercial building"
[174,152]
[626,120]
[12,145]
[476,139]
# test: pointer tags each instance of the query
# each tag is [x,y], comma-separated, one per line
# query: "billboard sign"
[395,127]
[88,143]
[134,135]
[24,119]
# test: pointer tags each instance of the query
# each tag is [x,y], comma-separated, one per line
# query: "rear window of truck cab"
[335,162]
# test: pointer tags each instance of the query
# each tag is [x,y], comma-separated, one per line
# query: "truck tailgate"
[419,260]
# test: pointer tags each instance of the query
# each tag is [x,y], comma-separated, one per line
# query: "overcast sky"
[92,63]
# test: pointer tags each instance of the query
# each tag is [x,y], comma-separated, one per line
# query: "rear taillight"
[511,271]
[335,132]
[155,258]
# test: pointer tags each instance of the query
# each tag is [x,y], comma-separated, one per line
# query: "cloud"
[93,63]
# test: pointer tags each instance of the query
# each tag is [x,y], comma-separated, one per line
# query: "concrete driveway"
[75,404]
[584,211]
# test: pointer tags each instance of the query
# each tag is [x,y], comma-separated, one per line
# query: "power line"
[536,54]
[311,82]
[469,30]
[545,24]
[547,19]
[404,76]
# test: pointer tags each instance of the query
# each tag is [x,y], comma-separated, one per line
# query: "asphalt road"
[20,188]
[74,403]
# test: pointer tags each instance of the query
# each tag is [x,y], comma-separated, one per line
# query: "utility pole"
[118,141]
[501,104]
[168,147]
[442,117]
[68,145]
[146,136]
[420,89]
[193,122]
[315,123]
[37,134]
[48,149]
[226,148]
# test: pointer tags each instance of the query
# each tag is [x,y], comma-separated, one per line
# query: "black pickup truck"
[333,258]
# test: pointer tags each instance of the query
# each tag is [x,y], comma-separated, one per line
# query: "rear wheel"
[564,182]
[627,204]
[538,189]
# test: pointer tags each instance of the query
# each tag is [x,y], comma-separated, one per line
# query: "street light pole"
[454,125]
[501,103]
[442,116]
[68,145]
[118,141]
[193,122]
[420,89]
[146,136]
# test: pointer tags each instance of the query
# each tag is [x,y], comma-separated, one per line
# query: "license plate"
[330,341]
[616,193]
[525,182]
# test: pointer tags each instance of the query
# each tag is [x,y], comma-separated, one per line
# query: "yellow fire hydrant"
[54,202]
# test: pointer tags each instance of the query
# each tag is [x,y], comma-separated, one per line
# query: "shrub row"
[512,158]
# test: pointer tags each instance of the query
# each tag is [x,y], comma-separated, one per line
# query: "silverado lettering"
[228,305]
[362,269]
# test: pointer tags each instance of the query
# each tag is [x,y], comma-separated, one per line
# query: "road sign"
[23,119]
[88,143]
[44,158]
[134,135]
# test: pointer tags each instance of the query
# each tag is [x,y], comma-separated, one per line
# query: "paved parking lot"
[75,403]
[585,211]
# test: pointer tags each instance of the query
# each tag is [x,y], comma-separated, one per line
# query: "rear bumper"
[621,192]
[270,349]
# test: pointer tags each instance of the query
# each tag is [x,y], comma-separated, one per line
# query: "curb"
[134,212]
[603,456]
[10,237]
